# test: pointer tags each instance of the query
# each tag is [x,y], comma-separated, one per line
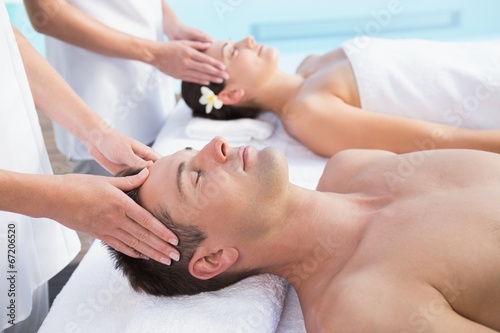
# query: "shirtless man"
[395,95]
[387,243]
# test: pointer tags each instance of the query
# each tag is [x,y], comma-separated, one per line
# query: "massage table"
[97,298]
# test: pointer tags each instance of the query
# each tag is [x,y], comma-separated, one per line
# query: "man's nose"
[215,150]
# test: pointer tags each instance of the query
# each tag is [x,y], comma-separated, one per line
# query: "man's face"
[222,190]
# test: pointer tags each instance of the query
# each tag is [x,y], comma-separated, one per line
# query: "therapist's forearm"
[63,21]
[25,193]
[53,96]
[169,18]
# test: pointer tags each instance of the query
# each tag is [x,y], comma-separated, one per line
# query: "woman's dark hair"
[191,93]
[158,279]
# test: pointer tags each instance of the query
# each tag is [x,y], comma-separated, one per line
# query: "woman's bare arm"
[180,59]
[326,125]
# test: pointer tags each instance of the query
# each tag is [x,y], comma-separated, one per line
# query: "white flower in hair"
[209,99]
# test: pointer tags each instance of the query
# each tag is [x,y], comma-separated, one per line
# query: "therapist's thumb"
[200,46]
[132,160]
[129,183]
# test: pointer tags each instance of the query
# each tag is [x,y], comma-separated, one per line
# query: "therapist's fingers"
[114,167]
[199,78]
[130,228]
[202,73]
[144,242]
[150,236]
[117,152]
[203,58]
[119,246]
[110,166]
[140,215]
[132,158]
[122,247]
[144,152]
[132,246]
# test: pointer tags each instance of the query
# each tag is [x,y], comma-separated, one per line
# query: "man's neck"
[315,236]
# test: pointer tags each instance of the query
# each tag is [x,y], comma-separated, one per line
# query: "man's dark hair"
[158,279]
[191,93]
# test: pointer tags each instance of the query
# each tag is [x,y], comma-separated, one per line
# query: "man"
[387,243]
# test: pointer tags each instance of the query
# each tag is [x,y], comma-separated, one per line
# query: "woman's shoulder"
[313,101]
[306,110]
[334,79]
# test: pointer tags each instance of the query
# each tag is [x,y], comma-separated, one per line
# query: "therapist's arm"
[176,30]
[52,95]
[94,205]
[180,59]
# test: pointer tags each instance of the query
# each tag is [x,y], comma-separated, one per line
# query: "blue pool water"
[308,26]
[19,18]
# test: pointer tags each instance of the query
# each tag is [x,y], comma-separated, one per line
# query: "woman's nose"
[250,42]
[215,150]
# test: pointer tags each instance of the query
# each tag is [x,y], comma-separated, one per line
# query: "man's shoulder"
[347,164]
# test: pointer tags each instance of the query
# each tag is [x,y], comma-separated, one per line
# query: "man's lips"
[243,152]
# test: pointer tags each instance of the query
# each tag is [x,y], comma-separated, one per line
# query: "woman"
[399,95]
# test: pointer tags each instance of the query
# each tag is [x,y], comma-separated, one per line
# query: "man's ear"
[205,264]
[231,97]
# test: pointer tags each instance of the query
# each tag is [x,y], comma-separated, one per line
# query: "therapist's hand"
[184,60]
[98,206]
[117,152]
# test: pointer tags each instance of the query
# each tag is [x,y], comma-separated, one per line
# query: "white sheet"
[98,299]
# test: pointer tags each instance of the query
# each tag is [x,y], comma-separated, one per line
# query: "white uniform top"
[454,83]
[133,97]
[31,250]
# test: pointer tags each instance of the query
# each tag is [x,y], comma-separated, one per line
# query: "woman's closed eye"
[233,51]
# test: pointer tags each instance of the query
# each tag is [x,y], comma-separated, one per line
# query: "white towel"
[453,83]
[234,131]
[251,305]
[99,299]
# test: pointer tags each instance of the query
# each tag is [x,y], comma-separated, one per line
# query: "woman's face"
[249,64]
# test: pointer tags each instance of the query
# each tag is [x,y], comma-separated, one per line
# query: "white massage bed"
[97,298]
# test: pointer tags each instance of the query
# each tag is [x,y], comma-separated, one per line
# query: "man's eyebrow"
[178,178]
[180,169]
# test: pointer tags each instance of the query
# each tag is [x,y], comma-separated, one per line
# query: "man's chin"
[275,159]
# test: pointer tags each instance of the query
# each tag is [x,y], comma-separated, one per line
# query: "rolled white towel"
[235,131]
[99,299]
[253,305]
